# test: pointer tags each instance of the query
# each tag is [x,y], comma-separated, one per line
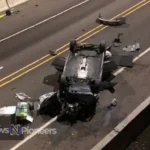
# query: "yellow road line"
[64,48]
[2,16]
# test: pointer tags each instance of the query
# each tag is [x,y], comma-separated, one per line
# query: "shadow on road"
[52,80]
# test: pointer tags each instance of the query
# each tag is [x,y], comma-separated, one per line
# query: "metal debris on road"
[132,48]
[1,67]
[117,42]
[22,96]
[7,111]
[21,111]
[46,96]
[116,22]
[52,52]
[114,102]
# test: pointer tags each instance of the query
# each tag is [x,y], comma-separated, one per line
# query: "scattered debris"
[22,96]
[42,99]
[36,5]
[9,110]
[1,67]
[113,103]
[116,22]
[21,111]
[17,12]
[52,52]
[132,48]
[46,96]
[117,42]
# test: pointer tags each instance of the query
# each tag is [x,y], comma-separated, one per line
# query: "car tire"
[102,47]
[73,45]
[97,85]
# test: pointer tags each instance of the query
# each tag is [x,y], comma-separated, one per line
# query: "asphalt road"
[130,91]
[29,46]
[32,12]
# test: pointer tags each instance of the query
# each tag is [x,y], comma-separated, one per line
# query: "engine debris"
[113,103]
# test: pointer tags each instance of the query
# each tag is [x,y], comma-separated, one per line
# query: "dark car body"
[84,67]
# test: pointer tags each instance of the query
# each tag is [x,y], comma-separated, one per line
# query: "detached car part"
[116,22]
[52,52]
[132,48]
[21,111]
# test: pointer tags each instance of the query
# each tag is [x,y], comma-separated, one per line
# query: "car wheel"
[102,47]
[73,45]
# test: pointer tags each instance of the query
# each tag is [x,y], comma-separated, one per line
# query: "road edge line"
[127,130]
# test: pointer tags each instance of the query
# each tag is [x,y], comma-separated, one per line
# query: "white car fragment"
[22,96]
[21,111]
[132,48]
[10,110]
[45,96]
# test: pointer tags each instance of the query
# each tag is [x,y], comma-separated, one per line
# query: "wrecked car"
[80,81]
[82,77]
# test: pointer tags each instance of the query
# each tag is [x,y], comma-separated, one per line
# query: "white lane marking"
[112,133]
[37,24]
[135,59]
[115,132]
[54,119]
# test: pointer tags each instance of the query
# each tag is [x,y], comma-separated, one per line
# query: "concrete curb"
[126,131]
[13,3]
[8,4]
